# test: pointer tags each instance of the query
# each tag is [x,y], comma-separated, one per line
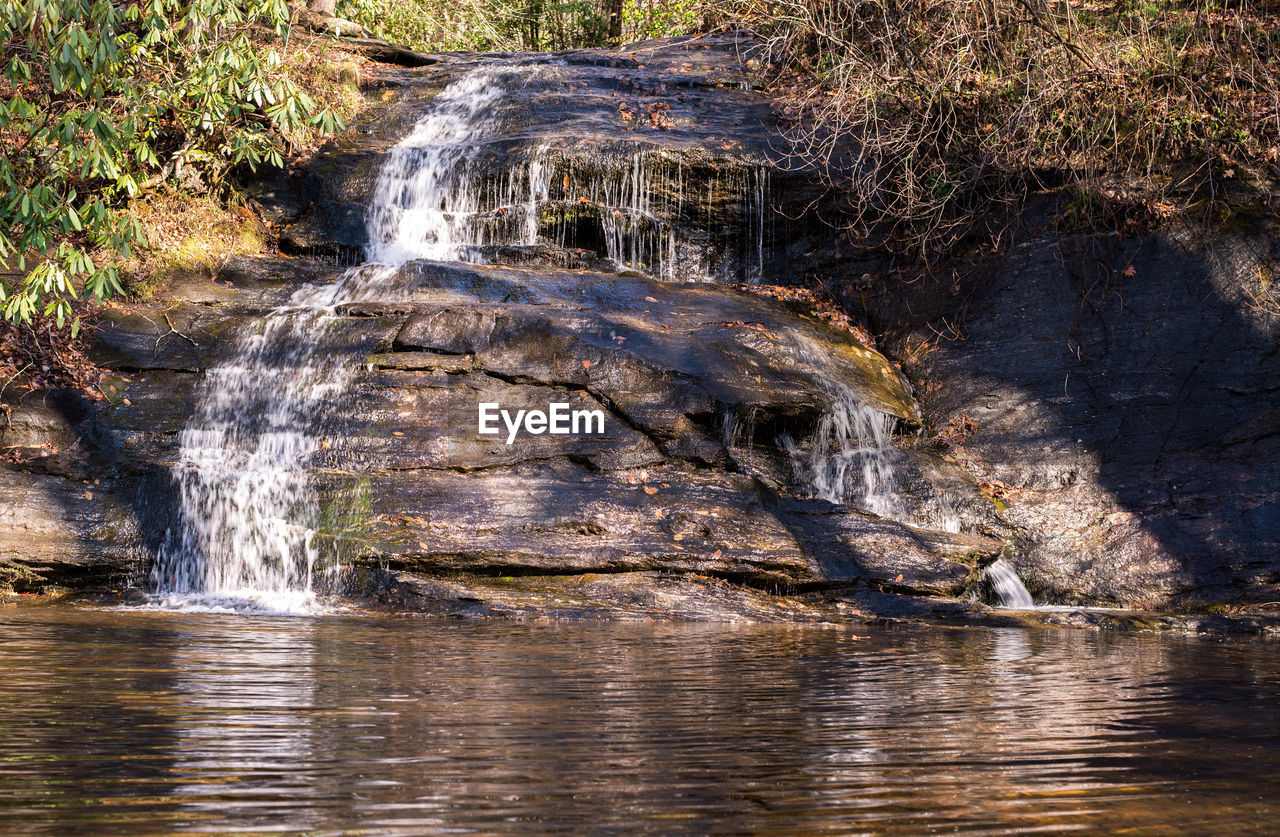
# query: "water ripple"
[158,722]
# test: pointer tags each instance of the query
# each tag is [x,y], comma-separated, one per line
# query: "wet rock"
[619,596]
[175,335]
[664,361]
[540,255]
[257,273]
[559,518]
[649,347]
[42,438]
[855,547]
[63,532]
[406,480]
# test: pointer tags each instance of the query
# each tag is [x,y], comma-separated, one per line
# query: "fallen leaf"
[648,489]
[899,578]
[586,364]
[1129,271]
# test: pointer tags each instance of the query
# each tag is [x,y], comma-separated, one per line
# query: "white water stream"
[1004,580]
[851,460]
[245,535]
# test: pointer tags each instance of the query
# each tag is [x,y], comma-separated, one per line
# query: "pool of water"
[141,722]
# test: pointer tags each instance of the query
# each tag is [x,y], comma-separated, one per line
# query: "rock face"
[654,166]
[408,483]
[1129,393]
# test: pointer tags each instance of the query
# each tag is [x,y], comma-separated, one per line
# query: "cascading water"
[428,202]
[850,459]
[1004,580]
[245,531]
[636,199]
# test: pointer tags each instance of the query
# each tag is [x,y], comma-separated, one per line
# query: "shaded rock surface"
[1128,391]
[636,596]
[59,531]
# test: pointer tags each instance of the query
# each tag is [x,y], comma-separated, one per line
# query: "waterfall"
[422,206]
[245,529]
[637,197]
[1004,580]
[850,458]
[245,532]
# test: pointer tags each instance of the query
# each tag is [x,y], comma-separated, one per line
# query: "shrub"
[100,100]
[510,25]
[925,112]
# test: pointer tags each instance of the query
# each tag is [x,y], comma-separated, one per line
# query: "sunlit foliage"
[100,100]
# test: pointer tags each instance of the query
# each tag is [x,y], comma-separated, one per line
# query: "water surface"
[128,722]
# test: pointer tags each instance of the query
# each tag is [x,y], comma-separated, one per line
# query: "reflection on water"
[148,722]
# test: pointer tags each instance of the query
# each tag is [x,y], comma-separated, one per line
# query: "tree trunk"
[615,22]
[323,7]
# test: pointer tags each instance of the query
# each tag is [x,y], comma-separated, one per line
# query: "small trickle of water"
[636,200]
[850,458]
[1004,580]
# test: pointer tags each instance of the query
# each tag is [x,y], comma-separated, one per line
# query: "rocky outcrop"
[1126,391]
[685,503]
[661,150]
[408,483]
